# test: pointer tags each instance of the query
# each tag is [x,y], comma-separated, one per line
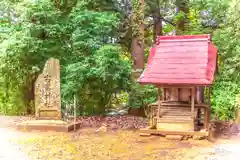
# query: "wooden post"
[74,113]
[192,101]
[202,94]
[198,95]
[205,118]
[209,95]
[177,93]
[163,94]
[208,109]
[159,103]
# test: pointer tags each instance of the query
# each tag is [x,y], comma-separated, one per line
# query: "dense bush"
[97,79]
[226,88]
[142,95]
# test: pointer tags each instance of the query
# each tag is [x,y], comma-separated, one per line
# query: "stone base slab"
[174,137]
[48,125]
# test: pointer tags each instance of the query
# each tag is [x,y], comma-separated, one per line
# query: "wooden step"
[183,119]
[177,104]
[173,118]
[176,113]
[175,121]
[177,108]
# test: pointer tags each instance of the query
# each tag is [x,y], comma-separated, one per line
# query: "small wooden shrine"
[183,69]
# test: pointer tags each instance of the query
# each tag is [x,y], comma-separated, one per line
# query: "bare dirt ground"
[87,144]
[9,150]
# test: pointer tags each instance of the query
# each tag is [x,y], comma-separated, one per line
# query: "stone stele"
[47,92]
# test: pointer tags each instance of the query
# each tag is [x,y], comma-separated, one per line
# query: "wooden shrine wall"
[183,94]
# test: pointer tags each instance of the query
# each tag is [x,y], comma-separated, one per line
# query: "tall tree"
[162,14]
[154,9]
[137,21]
[182,11]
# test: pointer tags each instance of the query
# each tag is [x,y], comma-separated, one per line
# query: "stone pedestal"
[48,125]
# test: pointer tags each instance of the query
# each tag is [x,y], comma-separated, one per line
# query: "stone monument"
[47,92]
[48,102]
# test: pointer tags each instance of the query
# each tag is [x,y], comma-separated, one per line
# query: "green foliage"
[180,15]
[217,9]
[97,78]
[142,95]
[122,98]
[226,88]
[194,25]
[71,32]
[224,99]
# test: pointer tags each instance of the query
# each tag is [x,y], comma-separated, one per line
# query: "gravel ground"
[221,150]
[8,150]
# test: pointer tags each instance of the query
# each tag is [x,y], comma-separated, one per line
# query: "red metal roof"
[181,60]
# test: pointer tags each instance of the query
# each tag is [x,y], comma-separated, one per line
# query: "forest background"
[102,43]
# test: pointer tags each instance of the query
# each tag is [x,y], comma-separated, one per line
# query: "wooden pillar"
[207,110]
[209,95]
[192,101]
[163,94]
[177,94]
[202,94]
[200,97]
[160,97]
[153,115]
[159,103]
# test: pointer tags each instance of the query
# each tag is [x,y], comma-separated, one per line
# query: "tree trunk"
[137,53]
[182,6]
[157,25]
[137,45]
[57,4]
